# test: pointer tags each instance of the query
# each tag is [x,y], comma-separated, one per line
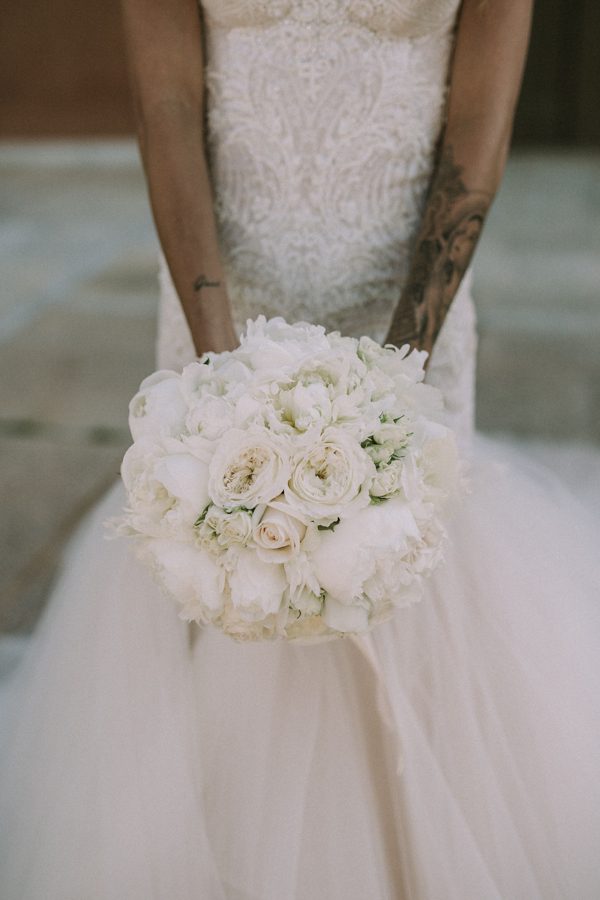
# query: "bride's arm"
[165,54]
[485,78]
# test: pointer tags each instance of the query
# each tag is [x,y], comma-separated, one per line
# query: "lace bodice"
[407,18]
[323,117]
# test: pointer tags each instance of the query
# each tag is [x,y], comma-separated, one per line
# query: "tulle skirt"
[451,754]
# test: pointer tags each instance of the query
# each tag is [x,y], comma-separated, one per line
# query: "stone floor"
[77,322]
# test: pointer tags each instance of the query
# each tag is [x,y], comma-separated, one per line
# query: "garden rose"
[277,534]
[328,480]
[248,468]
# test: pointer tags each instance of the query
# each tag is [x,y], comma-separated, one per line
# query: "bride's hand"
[210,318]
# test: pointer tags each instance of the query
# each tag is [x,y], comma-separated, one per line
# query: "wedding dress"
[451,754]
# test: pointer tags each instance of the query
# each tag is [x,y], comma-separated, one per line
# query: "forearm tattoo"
[453,220]
[203,282]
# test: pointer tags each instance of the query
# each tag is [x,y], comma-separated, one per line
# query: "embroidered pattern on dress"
[321,134]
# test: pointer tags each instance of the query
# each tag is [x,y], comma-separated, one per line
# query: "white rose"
[233,527]
[256,587]
[189,575]
[248,468]
[387,480]
[159,407]
[277,534]
[329,480]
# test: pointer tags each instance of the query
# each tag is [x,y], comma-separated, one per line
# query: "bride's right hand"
[210,318]
[165,51]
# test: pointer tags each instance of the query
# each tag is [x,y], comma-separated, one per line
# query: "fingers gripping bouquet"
[292,487]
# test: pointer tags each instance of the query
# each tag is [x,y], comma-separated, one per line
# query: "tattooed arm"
[165,54]
[485,77]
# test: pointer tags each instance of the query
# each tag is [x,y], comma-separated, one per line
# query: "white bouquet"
[292,487]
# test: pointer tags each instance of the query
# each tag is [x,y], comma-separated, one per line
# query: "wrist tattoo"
[203,282]
[452,224]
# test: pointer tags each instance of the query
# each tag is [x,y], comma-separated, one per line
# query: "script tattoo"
[453,220]
[203,282]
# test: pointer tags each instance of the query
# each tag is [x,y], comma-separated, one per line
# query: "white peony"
[273,342]
[248,468]
[188,575]
[278,534]
[307,603]
[330,479]
[199,379]
[185,478]
[305,404]
[210,417]
[274,346]
[159,406]
[256,587]
[146,494]
[347,556]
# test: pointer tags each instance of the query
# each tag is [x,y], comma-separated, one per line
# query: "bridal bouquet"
[292,487]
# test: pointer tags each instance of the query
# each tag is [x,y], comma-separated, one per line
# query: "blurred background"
[78,289]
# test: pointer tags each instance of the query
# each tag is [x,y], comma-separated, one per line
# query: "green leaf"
[201,517]
[328,527]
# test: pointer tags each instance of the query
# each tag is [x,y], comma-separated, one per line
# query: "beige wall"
[62,68]
[560,100]
[62,71]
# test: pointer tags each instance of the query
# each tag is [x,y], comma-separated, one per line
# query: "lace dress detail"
[323,117]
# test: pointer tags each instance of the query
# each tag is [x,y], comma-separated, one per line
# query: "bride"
[330,160]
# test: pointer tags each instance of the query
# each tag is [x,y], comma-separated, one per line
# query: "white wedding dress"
[453,753]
